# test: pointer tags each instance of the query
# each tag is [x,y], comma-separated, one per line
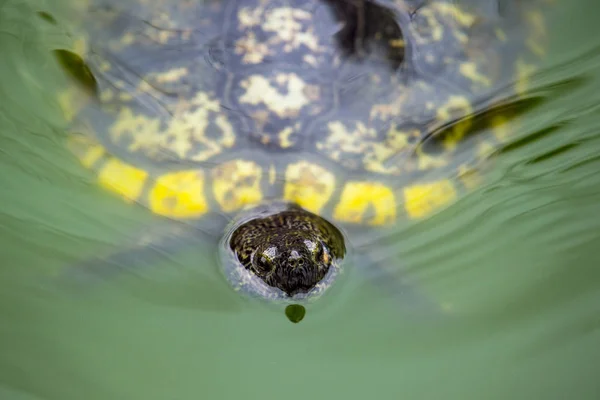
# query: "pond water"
[517,259]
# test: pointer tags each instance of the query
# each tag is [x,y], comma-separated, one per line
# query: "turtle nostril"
[294,255]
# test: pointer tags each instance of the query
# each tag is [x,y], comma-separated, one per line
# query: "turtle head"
[294,262]
[282,252]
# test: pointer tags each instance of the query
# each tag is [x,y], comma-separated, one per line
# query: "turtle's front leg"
[150,248]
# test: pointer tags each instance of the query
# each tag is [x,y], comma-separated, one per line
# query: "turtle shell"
[364,112]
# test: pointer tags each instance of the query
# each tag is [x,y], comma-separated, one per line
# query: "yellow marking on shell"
[189,127]
[286,23]
[310,59]
[469,177]
[500,127]
[259,90]
[309,185]
[184,131]
[537,21]
[341,138]
[104,66]
[172,75]
[237,184]
[253,51]
[536,41]
[535,47]
[364,141]
[122,178]
[120,84]
[161,28]
[341,134]
[366,202]
[80,46]
[523,72]
[228,132]
[142,131]
[249,17]
[485,150]
[127,39]
[469,69]
[461,36]
[422,200]
[93,155]
[284,137]
[463,18]
[457,108]
[272,174]
[87,151]
[71,101]
[126,122]
[388,110]
[164,36]
[144,86]
[179,195]
[286,31]
[395,142]
[427,161]
[538,34]
[434,29]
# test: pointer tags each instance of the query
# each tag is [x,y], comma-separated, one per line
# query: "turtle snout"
[295,260]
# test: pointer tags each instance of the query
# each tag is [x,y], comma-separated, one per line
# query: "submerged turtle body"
[365,113]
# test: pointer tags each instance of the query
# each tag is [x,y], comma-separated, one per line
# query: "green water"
[518,259]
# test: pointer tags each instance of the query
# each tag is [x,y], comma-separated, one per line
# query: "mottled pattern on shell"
[194,81]
[361,112]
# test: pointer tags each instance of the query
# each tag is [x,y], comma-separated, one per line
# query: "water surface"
[516,260]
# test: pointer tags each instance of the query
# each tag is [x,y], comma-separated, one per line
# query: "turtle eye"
[262,264]
[321,254]
[318,252]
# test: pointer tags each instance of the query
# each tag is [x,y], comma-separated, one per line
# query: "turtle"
[294,128]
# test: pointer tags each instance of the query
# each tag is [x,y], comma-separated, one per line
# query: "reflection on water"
[515,259]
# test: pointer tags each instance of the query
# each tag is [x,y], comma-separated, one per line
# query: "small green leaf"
[295,312]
